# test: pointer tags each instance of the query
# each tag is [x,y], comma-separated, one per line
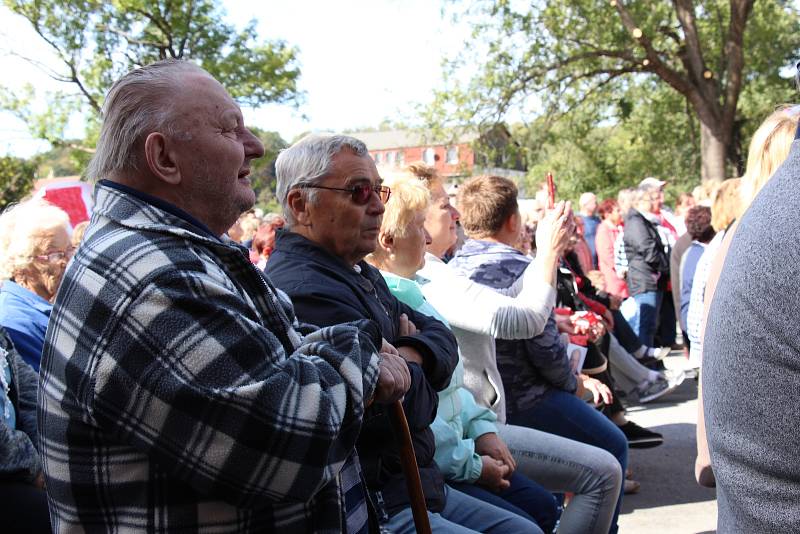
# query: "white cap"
[651,182]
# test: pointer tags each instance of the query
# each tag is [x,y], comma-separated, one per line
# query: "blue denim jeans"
[564,414]
[523,497]
[646,320]
[463,514]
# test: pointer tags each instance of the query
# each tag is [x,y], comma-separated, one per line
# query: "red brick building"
[455,160]
[397,148]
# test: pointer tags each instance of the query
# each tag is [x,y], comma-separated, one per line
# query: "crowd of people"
[201,366]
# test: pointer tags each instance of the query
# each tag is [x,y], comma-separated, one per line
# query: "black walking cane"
[408,460]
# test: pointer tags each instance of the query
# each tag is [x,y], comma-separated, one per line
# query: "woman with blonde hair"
[34,250]
[768,149]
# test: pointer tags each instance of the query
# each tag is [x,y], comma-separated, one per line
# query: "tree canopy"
[16,179]
[95,42]
[620,89]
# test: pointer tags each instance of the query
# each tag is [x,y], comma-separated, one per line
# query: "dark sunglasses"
[360,193]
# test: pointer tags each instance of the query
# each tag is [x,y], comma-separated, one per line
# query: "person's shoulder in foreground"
[177,393]
[751,364]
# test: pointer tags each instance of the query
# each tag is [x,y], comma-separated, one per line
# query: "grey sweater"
[751,365]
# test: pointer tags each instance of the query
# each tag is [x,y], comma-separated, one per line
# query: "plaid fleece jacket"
[176,394]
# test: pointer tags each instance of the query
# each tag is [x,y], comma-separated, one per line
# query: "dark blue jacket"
[326,291]
[529,367]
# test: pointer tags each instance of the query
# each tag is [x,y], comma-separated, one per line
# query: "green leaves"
[94,43]
[607,93]
[16,179]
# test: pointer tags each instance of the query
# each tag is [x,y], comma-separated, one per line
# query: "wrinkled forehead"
[346,165]
[202,96]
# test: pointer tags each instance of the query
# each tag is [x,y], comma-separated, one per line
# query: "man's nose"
[454,213]
[253,147]
[375,206]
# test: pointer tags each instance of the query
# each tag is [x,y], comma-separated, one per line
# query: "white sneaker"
[661,352]
[651,390]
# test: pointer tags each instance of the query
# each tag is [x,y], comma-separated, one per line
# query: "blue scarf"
[491,264]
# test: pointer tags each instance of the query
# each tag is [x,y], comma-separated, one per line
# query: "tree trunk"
[712,154]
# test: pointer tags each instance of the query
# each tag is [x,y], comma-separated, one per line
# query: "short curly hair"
[698,224]
[22,227]
[606,207]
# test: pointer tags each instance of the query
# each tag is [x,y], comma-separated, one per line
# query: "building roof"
[404,139]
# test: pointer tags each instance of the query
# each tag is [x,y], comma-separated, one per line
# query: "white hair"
[307,161]
[135,107]
[586,198]
[21,230]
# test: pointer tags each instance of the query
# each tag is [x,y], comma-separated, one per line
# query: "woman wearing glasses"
[34,250]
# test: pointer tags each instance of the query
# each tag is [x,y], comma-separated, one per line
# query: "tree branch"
[70,63]
[705,110]
[734,51]
[684,9]
[130,38]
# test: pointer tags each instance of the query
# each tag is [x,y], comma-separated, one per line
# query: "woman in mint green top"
[468,452]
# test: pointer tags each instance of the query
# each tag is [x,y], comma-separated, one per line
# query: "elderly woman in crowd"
[464,445]
[700,230]
[34,250]
[23,502]
[648,263]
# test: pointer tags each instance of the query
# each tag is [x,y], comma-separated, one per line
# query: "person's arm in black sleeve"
[550,358]
[647,246]
[437,345]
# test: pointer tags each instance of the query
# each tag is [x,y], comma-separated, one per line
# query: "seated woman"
[34,250]
[23,502]
[559,464]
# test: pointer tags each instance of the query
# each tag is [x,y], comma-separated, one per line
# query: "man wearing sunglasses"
[333,202]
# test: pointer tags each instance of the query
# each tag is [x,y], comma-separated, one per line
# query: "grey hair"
[307,161]
[135,107]
[645,196]
[21,226]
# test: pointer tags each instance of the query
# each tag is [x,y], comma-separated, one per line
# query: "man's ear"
[385,240]
[513,223]
[160,158]
[298,204]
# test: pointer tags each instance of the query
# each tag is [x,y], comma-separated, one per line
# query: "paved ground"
[670,501]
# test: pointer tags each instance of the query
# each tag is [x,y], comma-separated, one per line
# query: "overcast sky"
[362,61]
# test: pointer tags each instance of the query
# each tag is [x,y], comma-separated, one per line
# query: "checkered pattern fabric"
[177,393]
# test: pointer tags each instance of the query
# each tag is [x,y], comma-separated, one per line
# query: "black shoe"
[641,438]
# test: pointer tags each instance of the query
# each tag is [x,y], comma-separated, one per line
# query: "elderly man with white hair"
[587,205]
[178,392]
[333,200]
